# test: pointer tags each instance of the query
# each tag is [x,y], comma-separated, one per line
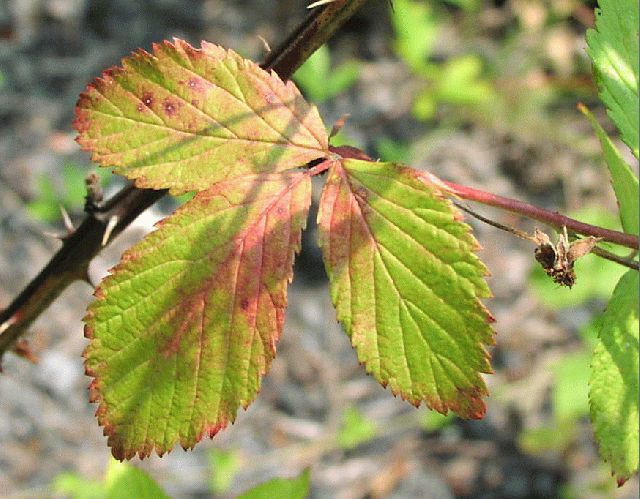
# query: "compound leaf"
[406,284]
[613,48]
[185,327]
[613,393]
[184,118]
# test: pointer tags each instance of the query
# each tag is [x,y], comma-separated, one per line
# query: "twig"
[71,261]
[603,253]
[551,218]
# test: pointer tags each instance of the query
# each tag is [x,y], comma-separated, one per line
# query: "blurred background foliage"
[481,92]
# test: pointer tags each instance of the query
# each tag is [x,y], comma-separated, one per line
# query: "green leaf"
[356,429]
[416,29]
[570,390]
[128,482]
[46,206]
[319,81]
[613,48]
[406,284]
[434,421]
[184,118]
[185,327]
[613,392]
[78,487]
[625,183]
[224,466]
[291,488]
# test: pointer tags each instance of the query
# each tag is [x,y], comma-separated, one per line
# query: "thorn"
[54,235]
[111,224]
[319,3]
[265,45]
[22,349]
[8,323]
[67,220]
[338,125]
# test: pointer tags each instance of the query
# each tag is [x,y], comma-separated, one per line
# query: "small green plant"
[457,81]
[291,488]
[320,82]
[356,429]
[224,466]
[121,481]
[125,481]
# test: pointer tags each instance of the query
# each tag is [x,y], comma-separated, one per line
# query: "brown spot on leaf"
[147,99]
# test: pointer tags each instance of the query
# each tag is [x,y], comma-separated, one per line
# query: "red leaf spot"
[244,304]
[170,107]
[271,98]
[195,102]
[196,84]
[147,99]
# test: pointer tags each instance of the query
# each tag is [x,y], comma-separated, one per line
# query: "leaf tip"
[621,480]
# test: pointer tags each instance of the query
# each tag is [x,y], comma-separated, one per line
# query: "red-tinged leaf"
[185,327]
[184,118]
[406,284]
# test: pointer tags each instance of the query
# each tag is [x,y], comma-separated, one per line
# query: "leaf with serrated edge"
[406,284]
[613,393]
[184,118]
[624,181]
[613,48]
[185,327]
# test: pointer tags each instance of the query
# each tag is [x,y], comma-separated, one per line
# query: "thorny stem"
[72,260]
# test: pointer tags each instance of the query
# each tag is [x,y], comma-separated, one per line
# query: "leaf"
[78,487]
[613,48]
[291,488]
[185,327]
[416,28]
[184,118]
[124,480]
[319,81]
[356,429]
[570,390]
[405,283]
[613,393]
[223,467]
[625,183]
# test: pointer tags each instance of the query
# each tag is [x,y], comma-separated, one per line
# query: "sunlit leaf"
[613,47]
[184,118]
[624,181]
[185,327]
[613,393]
[406,284]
